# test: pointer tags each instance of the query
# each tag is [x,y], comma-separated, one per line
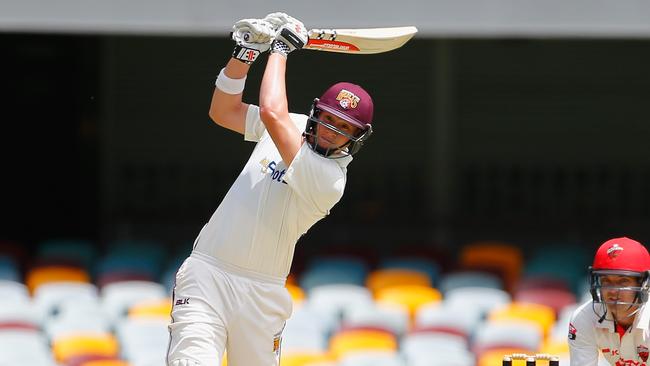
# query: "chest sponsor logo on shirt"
[572,332]
[271,168]
[643,352]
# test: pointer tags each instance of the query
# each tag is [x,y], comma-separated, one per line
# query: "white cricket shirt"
[587,336]
[269,206]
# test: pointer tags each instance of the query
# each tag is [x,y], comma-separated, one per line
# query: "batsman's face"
[620,289]
[330,139]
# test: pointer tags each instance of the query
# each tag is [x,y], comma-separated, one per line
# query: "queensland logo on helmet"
[614,251]
[347,99]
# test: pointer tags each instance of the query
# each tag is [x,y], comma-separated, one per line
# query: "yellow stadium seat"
[503,258]
[161,308]
[297,294]
[305,359]
[495,357]
[541,315]
[409,296]
[556,347]
[42,275]
[361,340]
[106,363]
[385,278]
[68,346]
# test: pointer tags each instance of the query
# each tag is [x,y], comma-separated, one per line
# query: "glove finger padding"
[253,31]
[279,19]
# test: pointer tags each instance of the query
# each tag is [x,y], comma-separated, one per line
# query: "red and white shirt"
[620,347]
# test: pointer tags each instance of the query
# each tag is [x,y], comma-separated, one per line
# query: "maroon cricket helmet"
[349,102]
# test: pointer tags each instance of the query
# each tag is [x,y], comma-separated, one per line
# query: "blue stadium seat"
[423,265]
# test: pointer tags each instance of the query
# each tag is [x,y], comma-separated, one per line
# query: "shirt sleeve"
[583,350]
[255,128]
[316,179]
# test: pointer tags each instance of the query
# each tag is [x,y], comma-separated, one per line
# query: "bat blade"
[359,41]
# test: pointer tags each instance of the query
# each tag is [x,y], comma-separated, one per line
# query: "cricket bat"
[359,41]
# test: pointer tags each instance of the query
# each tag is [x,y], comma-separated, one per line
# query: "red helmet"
[623,257]
[622,254]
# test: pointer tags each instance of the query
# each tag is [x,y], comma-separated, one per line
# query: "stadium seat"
[24,347]
[456,280]
[556,299]
[297,294]
[441,317]
[308,331]
[523,335]
[418,264]
[394,319]
[333,270]
[541,315]
[141,258]
[143,340]
[565,261]
[435,349]
[561,326]
[371,358]
[306,359]
[503,258]
[83,253]
[13,292]
[343,343]
[409,296]
[338,299]
[20,315]
[535,282]
[9,269]
[85,359]
[114,362]
[77,318]
[66,347]
[41,275]
[482,299]
[156,308]
[117,297]
[50,296]
[384,278]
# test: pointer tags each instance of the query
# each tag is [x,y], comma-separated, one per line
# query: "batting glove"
[280,19]
[290,37]
[252,37]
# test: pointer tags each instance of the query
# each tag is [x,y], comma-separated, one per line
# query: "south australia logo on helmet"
[614,251]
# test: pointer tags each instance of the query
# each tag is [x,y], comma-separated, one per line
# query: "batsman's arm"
[274,110]
[228,110]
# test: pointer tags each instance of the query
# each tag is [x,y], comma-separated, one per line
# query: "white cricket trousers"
[217,307]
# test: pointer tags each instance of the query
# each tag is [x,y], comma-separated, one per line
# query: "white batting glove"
[252,37]
[290,37]
[279,19]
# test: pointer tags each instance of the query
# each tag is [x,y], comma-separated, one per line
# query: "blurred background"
[510,141]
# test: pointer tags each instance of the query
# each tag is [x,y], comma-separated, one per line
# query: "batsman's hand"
[290,37]
[252,37]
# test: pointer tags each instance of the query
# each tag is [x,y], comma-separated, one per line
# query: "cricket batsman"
[229,294]
[617,321]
